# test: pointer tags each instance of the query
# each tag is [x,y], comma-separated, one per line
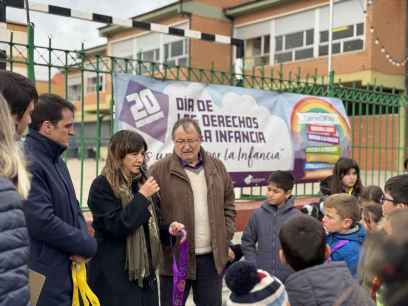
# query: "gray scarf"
[137,257]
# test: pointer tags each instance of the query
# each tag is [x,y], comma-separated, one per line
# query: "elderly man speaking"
[196,190]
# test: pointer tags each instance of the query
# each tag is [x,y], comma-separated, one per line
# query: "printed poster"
[252,131]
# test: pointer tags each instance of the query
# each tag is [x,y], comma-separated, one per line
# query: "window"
[351,45]
[267,44]
[150,55]
[294,40]
[343,32]
[309,37]
[303,35]
[256,46]
[324,36]
[345,39]
[279,43]
[360,29]
[92,82]
[257,50]
[176,53]
[74,92]
[283,57]
[294,46]
[303,53]
[182,61]
[176,48]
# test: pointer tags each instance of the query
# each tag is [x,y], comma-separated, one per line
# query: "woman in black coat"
[14,241]
[124,208]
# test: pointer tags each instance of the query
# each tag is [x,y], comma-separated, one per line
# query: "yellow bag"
[81,287]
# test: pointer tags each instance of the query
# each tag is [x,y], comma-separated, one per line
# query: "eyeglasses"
[383,199]
[182,142]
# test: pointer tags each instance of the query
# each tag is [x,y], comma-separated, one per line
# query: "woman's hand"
[149,188]
[175,229]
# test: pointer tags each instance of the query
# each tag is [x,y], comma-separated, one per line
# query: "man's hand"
[79,259]
[175,229]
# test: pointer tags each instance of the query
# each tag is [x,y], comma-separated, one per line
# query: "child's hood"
[357,234]
[323,285]
[287,206]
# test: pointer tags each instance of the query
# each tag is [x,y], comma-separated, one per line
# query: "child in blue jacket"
[345,233]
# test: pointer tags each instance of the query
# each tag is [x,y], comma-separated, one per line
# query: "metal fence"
[377,115]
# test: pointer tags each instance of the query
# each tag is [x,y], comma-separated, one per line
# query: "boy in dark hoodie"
[316,281]
[260,243]
[345,234]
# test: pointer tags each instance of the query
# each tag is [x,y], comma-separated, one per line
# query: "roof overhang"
[18,23]
[96,50]
[179,8]
[167,11]
[253,6]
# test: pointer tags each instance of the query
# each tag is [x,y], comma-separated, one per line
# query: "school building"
[286,32]
[286,37]
[17,33]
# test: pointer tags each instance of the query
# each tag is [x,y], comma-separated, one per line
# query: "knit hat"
[250,286]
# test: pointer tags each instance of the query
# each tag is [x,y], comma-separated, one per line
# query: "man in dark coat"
[57,229]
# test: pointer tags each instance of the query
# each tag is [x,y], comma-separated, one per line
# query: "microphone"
[144,173]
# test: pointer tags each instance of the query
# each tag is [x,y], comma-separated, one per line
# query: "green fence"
[377,115]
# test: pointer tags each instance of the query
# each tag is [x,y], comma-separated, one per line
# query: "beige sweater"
[202,234]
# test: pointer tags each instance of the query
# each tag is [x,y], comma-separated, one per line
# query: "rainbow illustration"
[321,134]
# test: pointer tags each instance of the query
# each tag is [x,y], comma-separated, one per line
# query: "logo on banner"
[146,110]
[324,133]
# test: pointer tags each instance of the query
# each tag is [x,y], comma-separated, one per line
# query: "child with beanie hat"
[250,286]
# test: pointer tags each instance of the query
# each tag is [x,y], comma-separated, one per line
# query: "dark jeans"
[206,288]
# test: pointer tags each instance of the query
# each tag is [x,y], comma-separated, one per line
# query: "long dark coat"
[113,224]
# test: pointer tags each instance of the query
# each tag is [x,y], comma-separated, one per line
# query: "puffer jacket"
[327,284]
[14,248]
[346,247]
[260,240]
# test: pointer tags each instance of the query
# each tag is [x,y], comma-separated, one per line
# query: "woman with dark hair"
[346,177]
[124,206]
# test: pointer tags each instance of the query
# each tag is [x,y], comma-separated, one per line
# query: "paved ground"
[90,172]
[225,291]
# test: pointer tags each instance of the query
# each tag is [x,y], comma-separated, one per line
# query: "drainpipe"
[3,33]
[406,47]
[404,99]
[330,72]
